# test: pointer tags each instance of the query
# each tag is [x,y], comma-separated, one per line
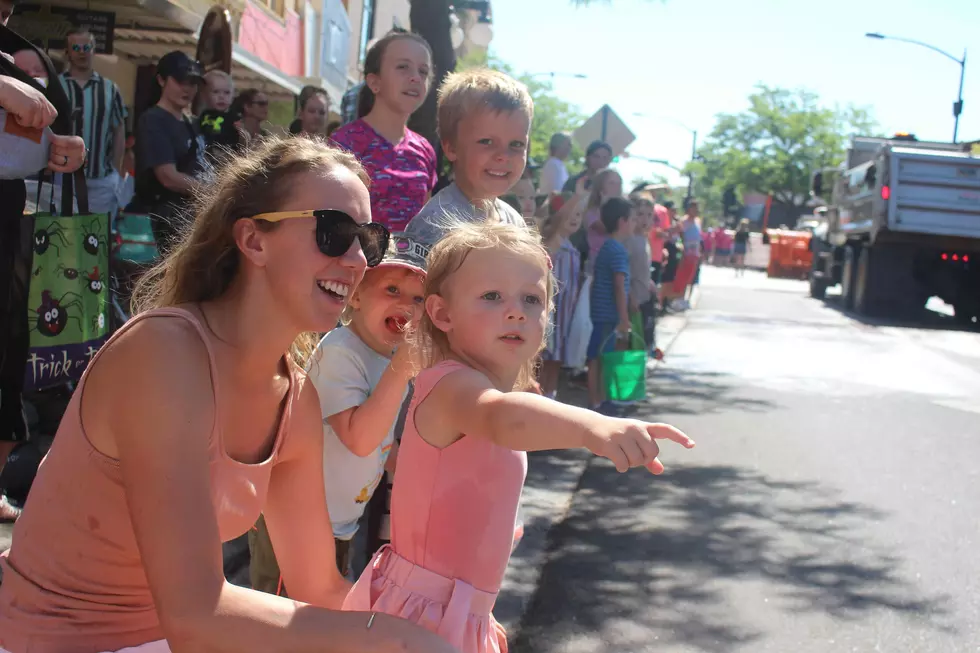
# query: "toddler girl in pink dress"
[462,464]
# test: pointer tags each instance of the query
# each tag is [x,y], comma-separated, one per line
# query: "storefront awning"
[145,30]
[147,46]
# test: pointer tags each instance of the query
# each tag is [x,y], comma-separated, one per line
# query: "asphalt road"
[831,504]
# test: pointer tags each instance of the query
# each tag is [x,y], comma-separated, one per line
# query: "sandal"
[8,513]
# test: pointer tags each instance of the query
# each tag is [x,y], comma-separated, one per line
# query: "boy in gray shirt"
[484,124]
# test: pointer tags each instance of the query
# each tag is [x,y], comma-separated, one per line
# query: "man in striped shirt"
[101,122]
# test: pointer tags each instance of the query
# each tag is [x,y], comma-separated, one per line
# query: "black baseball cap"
[180,66]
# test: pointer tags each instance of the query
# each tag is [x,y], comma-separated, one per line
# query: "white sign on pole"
[617,134]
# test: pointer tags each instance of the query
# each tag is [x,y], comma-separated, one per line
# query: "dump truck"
[903,225]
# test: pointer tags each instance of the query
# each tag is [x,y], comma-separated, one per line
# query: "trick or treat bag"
[68,308]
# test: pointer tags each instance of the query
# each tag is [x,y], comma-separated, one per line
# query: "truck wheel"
[847,278]
[884,284]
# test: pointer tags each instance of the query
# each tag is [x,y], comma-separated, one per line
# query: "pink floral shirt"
[402,175]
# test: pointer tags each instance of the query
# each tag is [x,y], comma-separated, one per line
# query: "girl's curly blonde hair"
[447,256]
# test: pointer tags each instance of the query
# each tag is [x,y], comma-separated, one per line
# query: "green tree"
[551,113]
[775,145]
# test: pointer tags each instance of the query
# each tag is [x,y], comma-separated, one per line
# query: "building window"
[367,28]
[278,7]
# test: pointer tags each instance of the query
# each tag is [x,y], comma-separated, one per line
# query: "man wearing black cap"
[169,148]
[597,158]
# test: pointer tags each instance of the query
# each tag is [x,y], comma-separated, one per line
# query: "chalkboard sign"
[47,26]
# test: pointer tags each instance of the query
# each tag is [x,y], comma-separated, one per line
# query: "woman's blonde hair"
[204,263]
[431,344]
[595,194]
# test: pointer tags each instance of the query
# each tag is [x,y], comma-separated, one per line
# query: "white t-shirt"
[554,174]
[344,372]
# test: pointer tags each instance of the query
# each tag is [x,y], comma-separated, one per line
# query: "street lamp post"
[958,105]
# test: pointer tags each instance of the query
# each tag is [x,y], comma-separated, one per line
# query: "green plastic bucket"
[624,373]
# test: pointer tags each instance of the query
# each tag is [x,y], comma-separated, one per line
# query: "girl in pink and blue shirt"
[400,162]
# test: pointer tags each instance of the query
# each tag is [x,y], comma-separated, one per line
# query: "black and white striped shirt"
[102,112]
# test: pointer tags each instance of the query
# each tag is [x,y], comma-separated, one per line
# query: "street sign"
[606,126]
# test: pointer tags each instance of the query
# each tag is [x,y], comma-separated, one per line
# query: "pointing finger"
[667,432]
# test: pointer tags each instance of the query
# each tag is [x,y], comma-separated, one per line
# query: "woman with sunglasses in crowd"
[252,105]
[120,544]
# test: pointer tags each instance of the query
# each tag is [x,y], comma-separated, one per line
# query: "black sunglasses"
[336,231]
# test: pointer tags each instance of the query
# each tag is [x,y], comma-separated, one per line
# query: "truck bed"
[934,192]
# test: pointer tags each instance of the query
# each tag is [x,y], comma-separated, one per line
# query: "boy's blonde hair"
[432,344]
[479,89]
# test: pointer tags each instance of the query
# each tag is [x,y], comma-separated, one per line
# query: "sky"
[685,61]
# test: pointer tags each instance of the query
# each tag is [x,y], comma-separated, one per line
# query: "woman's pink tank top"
[453,510]
[74,580]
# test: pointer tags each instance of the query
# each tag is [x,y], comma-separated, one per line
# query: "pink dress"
[453,513]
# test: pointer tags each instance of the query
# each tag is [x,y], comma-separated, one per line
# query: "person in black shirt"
[169,149]
[741,247]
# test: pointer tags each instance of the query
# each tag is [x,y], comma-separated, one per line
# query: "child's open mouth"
[512,339]
[396,324]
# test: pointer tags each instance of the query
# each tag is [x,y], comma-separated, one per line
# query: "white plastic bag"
[581,330]
[20,156]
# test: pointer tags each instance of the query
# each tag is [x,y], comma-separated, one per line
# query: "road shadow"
[672,389]
[645,566]
[922,319]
